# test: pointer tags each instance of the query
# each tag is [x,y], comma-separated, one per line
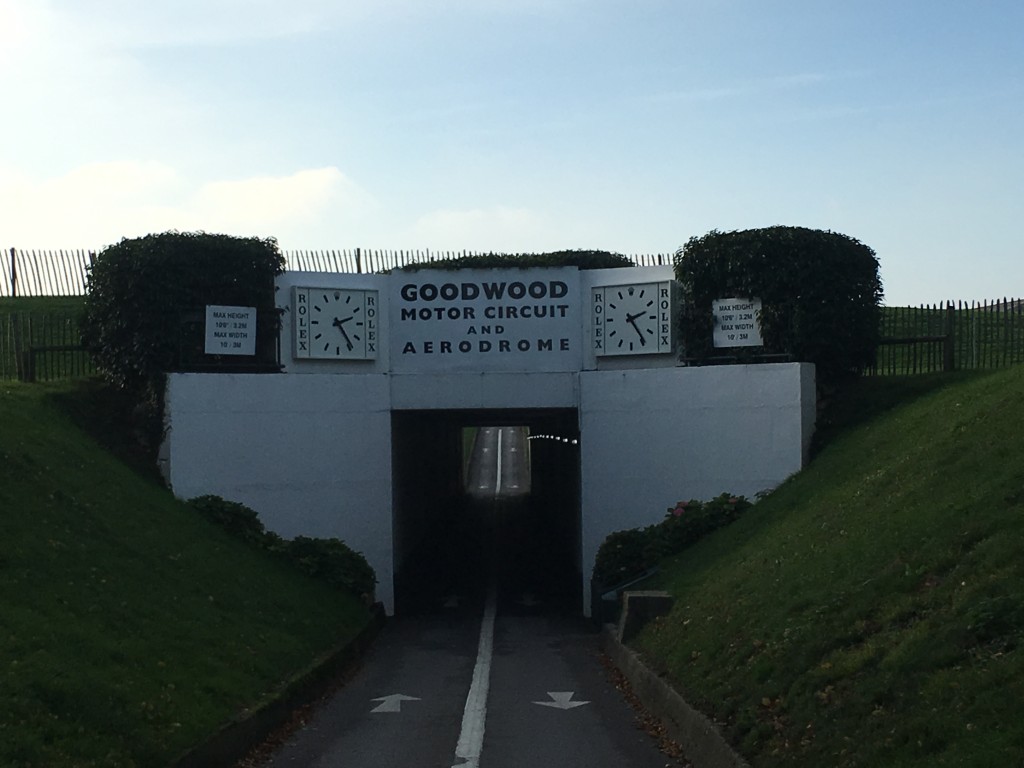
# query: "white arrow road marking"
[392,703]
[561,700]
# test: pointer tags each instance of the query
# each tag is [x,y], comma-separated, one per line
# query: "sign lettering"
[230,330]
[735,322]
[486,320]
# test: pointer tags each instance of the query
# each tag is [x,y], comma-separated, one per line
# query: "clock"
[335,323]
[633,319]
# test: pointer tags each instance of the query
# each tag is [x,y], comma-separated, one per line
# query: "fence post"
[14,273]
[28,366]
[949,344]
[359,262]
[19,352]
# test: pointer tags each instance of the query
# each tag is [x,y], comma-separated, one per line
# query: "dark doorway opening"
[486,499]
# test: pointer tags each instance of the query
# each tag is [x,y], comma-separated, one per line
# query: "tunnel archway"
[451,542]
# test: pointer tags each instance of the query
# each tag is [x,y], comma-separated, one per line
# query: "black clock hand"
[340,325]
[631,319]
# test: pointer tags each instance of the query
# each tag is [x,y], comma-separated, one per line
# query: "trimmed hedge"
[582,259]
[141,293]
[821,294]
[139,289]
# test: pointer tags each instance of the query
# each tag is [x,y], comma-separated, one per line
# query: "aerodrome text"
[478,305]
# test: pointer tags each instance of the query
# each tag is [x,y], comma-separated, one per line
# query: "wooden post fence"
[949,343]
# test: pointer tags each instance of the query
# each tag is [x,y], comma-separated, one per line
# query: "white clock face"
[632,319]
[335,323]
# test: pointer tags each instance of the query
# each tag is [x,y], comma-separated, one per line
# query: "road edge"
[236,738]
[699,738]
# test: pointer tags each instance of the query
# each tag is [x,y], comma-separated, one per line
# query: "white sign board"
[735,323]
[230,330]
[486,320]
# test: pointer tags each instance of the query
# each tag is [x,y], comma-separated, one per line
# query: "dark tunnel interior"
[452,542]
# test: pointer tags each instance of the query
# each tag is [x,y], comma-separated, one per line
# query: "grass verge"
[131,628]
[869,612]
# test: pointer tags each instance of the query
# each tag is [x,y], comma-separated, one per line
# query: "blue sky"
[524,125]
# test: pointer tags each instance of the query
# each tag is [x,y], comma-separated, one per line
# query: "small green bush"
[240,521]
[332,561]
[625,555]
[328,560]
[622,556]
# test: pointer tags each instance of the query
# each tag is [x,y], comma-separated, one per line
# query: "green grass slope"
[869,612]
[130,628]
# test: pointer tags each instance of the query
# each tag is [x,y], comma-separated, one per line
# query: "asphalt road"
[495,674]
[549,702]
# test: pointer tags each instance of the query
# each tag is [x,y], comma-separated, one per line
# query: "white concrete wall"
[436,391]
[311,454]
[650,438]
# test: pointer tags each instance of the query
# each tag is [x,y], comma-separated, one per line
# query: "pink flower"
[678,511]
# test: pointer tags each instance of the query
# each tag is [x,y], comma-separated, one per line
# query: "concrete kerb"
[237,738]
[700,739]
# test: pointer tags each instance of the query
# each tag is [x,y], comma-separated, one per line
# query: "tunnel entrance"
[486,498]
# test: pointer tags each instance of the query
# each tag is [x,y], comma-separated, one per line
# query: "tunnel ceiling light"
[556,438]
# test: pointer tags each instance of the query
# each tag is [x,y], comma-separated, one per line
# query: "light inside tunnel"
[496,461]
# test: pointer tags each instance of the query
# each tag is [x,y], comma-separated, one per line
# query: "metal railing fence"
[42,344]
[63,272]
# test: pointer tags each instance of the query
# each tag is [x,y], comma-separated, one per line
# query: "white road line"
[497,483]
[474,717]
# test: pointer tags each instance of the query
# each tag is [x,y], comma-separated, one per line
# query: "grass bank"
[869,612]
[130,628]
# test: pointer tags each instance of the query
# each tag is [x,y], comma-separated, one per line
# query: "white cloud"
[69,98]
[131,24]
[302,197]
[90,206]
[98,204]
[758,86]
[17,22]
[492,229]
